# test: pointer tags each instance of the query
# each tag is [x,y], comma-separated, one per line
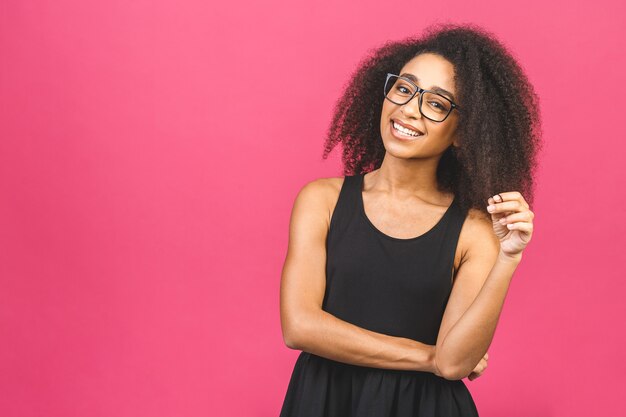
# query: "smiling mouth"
[404,132]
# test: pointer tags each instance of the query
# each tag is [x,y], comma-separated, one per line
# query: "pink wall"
[149,162]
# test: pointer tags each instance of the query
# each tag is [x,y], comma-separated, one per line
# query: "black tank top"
[389,285]
[399,287]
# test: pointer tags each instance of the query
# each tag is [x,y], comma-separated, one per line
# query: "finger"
[521,226]
[505,206]
[480,367]
[524,216]
[510,195]
[474,375]
[492,203]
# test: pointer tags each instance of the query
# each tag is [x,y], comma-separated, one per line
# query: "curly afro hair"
[499,126]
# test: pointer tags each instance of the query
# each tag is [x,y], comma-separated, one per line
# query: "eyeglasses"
[400,90]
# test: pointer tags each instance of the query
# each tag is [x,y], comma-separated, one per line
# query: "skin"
[402,200]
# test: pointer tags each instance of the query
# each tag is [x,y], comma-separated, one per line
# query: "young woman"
[396,273]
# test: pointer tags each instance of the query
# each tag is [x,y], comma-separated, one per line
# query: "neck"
[402,177]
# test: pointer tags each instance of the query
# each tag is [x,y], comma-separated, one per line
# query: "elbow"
[289,337]
[456,372]
[452,373]
[295,331]
[290,343]
[449,371]
[291,340]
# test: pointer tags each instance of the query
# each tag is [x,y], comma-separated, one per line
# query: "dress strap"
[347,202]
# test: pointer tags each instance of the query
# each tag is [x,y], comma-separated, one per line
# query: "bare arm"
[304,324]
[475,303]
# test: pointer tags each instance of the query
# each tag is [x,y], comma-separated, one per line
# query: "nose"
[412,108]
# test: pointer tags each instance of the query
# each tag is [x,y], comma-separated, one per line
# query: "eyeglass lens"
[433,106]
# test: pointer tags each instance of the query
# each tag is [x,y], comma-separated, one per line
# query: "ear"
[456,142]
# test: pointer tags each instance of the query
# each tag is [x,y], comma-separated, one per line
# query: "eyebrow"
[433,88]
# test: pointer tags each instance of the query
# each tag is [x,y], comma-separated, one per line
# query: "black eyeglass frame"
[419,91]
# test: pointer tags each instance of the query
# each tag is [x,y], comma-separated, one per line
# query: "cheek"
[443,128]
[387,107]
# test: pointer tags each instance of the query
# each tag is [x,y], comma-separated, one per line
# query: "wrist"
[432,363]
[507,258]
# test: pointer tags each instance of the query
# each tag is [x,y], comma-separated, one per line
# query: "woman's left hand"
[512,221]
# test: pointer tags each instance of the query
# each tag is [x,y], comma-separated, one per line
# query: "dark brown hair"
[499,125]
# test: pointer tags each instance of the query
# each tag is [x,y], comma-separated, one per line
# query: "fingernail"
[491,208]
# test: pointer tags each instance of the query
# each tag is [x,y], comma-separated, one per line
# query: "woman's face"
[430,71]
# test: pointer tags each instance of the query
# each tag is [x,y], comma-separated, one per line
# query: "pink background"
[150,154]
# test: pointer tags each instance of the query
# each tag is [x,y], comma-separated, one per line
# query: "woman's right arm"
[305,325]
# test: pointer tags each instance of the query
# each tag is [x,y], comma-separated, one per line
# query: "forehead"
[431,70]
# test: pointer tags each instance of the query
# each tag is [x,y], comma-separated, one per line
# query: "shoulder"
[319,197]
[477,236]
[321,189]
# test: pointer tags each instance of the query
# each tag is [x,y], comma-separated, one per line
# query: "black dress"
[394,286]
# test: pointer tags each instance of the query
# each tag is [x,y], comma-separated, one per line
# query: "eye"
[438,105]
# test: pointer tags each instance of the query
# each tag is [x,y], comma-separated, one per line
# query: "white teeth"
[405,130]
